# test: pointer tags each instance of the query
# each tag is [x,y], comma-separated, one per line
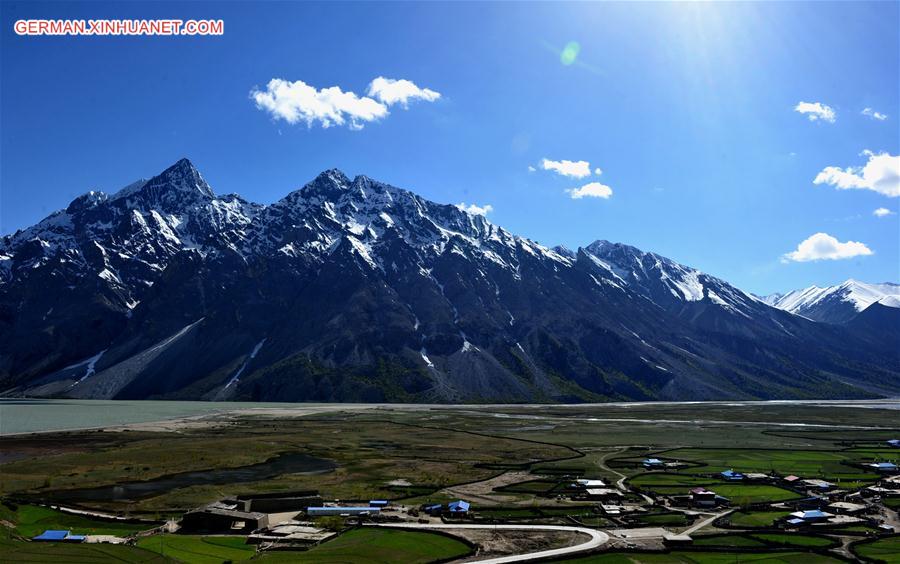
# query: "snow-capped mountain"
[355,290]
[836,304]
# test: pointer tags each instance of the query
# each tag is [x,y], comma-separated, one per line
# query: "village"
[659,504]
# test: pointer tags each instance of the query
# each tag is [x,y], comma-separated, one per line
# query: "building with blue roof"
[650,463]
[53,535]
[731,475]
[886,467]
[458,507]
[894,443]
[811,516]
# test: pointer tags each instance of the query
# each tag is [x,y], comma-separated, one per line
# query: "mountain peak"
[182,177]
[332,176]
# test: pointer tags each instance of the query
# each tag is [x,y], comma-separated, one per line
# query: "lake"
[40,415]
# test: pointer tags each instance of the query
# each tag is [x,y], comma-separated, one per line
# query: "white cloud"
[572,169]
[823,246]
[598,171]
[815,111]
[390,91]
[475,209]
[297,101]
[880,174]
[531,168]
[873,114]
[590,190]
[883,212]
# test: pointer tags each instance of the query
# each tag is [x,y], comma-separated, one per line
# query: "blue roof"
[886,465]
[75,537]
[459,506]
[732,474]
[795,521]
[378,502]
[52,535]
[813,514]
[653,461]
[435,506]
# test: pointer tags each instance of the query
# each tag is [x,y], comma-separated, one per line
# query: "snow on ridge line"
[860,294]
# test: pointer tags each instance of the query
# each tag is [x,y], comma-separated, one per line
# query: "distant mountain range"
[836,304]
[355,290]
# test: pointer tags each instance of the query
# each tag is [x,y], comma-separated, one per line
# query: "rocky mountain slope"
[355,290]
[836,304]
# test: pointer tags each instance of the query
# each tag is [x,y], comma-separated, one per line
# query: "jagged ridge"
[352,289]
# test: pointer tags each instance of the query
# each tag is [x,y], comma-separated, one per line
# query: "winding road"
[598,538]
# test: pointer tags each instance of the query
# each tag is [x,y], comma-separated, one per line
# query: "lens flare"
[569,53]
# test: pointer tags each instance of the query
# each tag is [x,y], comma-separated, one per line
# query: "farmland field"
[193,549]
[883,550]
[378,546]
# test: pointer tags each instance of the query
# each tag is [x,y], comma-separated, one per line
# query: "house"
[58,536]
[341,511]
[817,484]
[884,467]
[702,497]
[279,502]
[435,509]
[883,492]
[791,479]
[811,516]
[673,539]
[601,494]
[221,517]
[590,483]
[292,534]
[651,463]
[731,476]
[812,502]
[846,507]
[612,509]
[459,507]
[381,503]
[757,476]
[894,443]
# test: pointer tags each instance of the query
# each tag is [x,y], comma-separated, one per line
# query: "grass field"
[377,546]
[17,551]
[756,518]
[763,541]
[739,494]
[729,541]
[884,550]
[31,520]
[652,480]
[799,541]
[192,549]
[806,463]
[368,456]
[689,557]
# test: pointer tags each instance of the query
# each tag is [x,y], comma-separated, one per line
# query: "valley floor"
[517,465]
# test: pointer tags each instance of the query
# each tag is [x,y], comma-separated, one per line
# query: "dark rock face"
[354,290]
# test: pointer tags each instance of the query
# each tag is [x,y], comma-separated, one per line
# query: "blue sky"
[688,109]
